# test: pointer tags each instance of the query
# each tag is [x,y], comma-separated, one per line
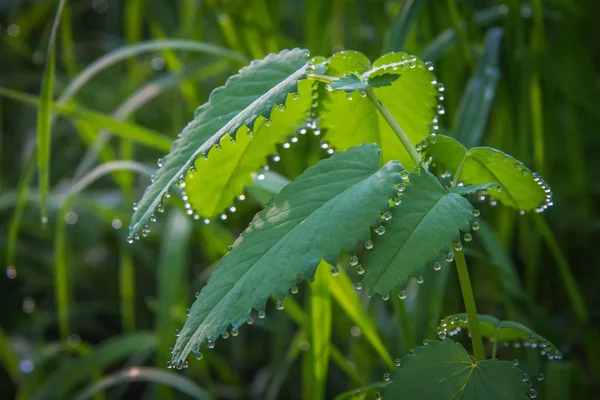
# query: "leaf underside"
[306,222]
[253,92]
[443,370]
[412,100]
[501,331]
[521,188]
[223,175]
[423,226]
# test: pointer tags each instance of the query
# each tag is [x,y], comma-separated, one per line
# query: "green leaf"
[423,226]
[235,107]
[520,188]
[303,224]
[444,371]
[349,83]
[222,176]
[411,99]
[501,331]
[44,115]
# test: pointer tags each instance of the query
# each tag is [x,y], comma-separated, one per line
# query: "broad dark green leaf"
[411,99]
[445,371]
[502,332]
[305,223]
[235,107]
[420,230]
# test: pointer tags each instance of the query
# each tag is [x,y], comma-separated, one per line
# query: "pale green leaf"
[421,228]
[349,83]
[411,99]
[445,371]
[467,190]
[377,81]
[519,187]
[501,331]
[235,107]
[305,223]
[222,177]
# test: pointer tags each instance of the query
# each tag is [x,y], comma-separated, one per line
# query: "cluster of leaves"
[406,217]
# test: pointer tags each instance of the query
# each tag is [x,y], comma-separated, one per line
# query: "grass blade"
[476,102]
[319,334]
[126,130]
[345,295]
[145,374]
[401,26]
[44,116]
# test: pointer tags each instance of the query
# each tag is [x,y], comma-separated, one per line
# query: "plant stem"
[410,149]
[469,299]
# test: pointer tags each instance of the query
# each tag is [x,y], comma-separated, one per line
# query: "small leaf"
[423,226]
[251,93]
[502,331]
[305,223]
[349,83]
[411,99]
[519,187]
[445,371]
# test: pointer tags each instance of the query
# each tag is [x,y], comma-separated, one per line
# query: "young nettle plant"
[391,186]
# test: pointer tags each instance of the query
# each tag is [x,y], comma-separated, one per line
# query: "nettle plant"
[393,196]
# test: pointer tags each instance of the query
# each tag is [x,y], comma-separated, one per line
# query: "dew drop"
[411,352]
[250,321]
[199,356]
[515,362]
[279,305]
[476,213]
[197,294]
[335,271]
[359,286]
[467,237]
[442,335]
[533,394]
[404,175]
[475,226]
[294,290]
[385,296]
[160,208]
[380,230]
[402,294]
[354,261]
[250,133]
[235,332]
[397,362]
[397,200]
[386,216]
[363,94]
[386,377]
[296,96]
[262,314]
[135,206]
[441,110]
[425,342]
[378,396]
[369,245]
[458,246]
[159,162]
[401,188]
[420,279]
[281,108]
[177,332]
[540,377]
[211,344]
[449,257]
[268,123]
[129,240]
[437,266]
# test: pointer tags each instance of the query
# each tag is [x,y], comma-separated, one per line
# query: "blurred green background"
[84,314]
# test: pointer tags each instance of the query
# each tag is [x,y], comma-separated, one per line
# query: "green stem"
[410,149]
[469,299]
[495,348]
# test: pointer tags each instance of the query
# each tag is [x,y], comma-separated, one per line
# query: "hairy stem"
[469,299]
[410,149]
